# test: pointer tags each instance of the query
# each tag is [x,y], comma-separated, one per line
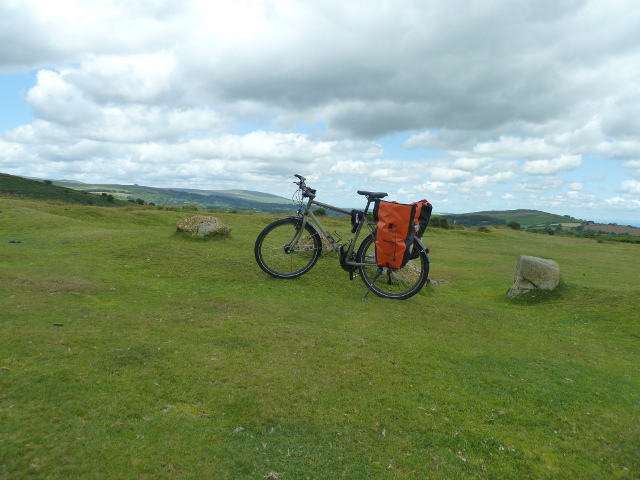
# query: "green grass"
[179,358]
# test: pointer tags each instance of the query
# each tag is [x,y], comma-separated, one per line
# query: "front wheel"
[400,283]
[284,252]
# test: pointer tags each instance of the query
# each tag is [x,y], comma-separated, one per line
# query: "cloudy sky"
[499,104]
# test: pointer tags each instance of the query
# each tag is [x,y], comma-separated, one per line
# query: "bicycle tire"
[398,284]
[275,258]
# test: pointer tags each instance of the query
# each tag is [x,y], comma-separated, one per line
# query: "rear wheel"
[278,258]
[400,283]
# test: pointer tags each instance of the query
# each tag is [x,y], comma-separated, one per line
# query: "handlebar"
[306,191]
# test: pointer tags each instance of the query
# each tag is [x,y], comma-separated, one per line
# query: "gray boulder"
[203,226]
[534,272]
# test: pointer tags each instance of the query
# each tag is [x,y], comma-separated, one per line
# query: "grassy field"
[128,351]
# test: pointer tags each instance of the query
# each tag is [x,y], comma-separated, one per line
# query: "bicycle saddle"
[373,195]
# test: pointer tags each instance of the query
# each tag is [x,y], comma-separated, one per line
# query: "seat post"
[366,209]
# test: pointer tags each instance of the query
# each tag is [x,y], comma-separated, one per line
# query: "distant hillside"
[12,185]
[249,200]
[526,218]
[244,200]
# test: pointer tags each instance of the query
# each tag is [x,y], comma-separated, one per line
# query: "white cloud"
[390,175]
[450,175]
[53,99]
[471,164]
[539,184]
[562,163]
[422,140]
[635,166]
[143,78]
[631,205]
[632,164]
[512,147]
[630,187]
[426,188]
[487,181]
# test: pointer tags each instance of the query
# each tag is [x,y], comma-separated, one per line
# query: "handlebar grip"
[300,177]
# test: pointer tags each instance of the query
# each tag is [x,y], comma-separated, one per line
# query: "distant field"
[615,229]
[570,225]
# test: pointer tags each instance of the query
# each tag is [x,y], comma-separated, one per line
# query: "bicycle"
[290,247]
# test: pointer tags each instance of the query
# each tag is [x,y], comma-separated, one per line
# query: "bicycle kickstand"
[378,273]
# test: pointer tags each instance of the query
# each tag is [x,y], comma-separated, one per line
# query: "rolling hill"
[113,194]
[526,218]
[249,200]
[245,200]
[24,187]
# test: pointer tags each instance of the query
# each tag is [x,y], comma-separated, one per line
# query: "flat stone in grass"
[203,226]
[534,272]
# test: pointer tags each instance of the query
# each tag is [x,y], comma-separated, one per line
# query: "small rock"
[534,272]
[203,226]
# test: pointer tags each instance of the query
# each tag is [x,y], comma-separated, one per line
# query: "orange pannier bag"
[394,235]
[422,217]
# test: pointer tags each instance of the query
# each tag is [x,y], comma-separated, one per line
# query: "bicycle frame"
[307,216]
